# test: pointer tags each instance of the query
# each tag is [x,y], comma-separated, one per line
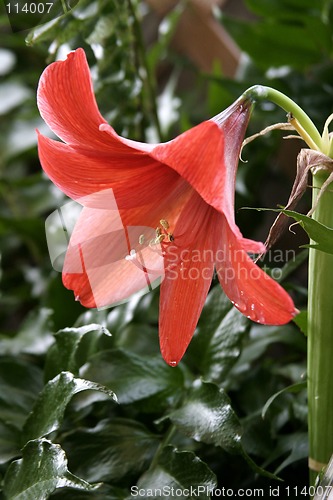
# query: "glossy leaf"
[207,416]
[121,447]
[219,336]
[133,377]
[48,412]
[180,470]
[20,383]
[104,492]
[9,442]
[34,336]
[297,449]
[63,356]
[41,470]
[291,388]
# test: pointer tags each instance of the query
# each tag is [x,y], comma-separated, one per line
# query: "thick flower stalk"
[317,159]
[183,190]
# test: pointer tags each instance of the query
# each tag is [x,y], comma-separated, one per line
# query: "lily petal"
[66,101]
[136,180]
[189,265]
[252,291]
[105,263]
[207,156]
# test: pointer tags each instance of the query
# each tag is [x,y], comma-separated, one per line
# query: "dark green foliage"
[62,434]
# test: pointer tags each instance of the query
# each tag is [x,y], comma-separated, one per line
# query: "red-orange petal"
[252,291]
[105,263]
[189,265]
[136,179]
[67,103]
[207,156]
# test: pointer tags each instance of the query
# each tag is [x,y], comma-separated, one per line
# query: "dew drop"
[173,363]
[241,306]
[77,298]
[261,318]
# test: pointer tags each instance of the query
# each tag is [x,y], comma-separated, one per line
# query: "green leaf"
[291,388]
[301,321]
[48,412]
[34,337]
[207,416]
[218,340]
[283,8]
[297,448]
[321,234]
[180,471]
[262,337]
[104,492]
[134,377]
[63,355]
[20,383]
[292,42]
[41,470]
[121,448]
[9,442]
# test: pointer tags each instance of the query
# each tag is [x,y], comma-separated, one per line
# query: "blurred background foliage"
[234,413]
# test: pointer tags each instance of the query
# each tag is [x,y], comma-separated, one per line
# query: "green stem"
[168,435]
[320,340]
[260,92]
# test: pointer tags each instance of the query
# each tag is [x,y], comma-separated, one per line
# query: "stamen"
[161,234]
[165,224]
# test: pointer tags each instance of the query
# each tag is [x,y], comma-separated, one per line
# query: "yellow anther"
[165,224]
[160,238]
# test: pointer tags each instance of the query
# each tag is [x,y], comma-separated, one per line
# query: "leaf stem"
[165,441]
[261,92]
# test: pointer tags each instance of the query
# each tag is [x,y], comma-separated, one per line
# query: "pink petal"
[189,265]
[252,291]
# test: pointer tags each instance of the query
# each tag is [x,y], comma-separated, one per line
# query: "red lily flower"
[184,187]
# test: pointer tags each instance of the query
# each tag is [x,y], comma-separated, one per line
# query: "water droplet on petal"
[77,298]
[261,318]
[173,363]
[241,306]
